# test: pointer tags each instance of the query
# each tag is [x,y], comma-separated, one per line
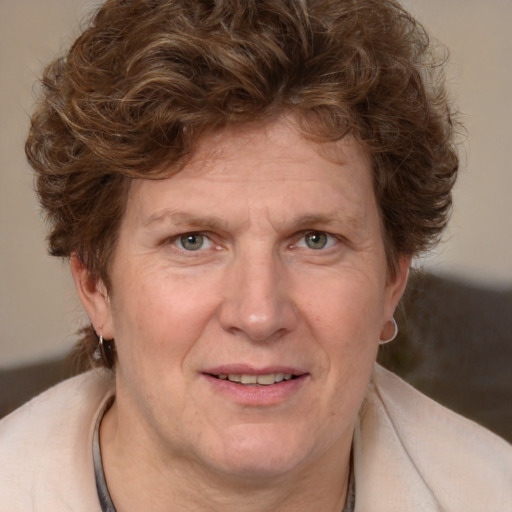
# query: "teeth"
[266,380]
[249,379]
[262,380]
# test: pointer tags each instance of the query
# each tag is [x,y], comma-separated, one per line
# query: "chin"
[262,451]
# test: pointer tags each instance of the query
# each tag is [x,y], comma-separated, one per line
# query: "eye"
[193,242]
[317,240]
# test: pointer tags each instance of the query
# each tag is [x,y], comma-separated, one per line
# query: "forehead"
[260,168]
[262,148]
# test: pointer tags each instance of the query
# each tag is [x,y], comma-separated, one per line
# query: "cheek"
[345,319]
[157,321]
[345,308]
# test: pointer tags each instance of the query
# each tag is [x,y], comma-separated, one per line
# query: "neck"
[139,478]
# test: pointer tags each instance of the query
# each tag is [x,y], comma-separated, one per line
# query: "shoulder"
[411,413]
[433,457]
[46,445]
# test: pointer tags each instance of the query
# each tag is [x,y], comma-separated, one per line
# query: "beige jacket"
[410,454]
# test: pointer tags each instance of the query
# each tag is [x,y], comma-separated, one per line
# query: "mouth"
[247,385]
[267,379]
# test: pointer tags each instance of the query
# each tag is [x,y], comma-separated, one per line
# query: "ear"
[94,298]
[395,286]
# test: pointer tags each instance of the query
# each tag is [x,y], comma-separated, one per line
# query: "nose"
[258,302]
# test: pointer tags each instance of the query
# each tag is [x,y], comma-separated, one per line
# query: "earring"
[105,352]
[97,353]
[395,326]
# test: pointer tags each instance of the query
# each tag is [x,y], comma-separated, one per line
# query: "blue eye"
[193,242]
[317,240]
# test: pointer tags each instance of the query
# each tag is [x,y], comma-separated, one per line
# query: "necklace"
[101,484]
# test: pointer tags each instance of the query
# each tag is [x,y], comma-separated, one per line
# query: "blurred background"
[465,299]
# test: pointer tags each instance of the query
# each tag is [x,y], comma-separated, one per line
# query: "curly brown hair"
[148,79]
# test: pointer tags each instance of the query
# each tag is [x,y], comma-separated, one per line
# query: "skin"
[288,270]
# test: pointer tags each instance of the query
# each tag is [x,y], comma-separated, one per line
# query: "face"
[249,293]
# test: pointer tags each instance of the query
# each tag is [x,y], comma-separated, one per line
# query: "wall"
[38,309]
[478,34]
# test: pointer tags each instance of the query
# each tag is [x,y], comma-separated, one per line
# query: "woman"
[240,188]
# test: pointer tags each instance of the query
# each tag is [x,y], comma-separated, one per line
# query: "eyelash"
[177,241]
[331,240]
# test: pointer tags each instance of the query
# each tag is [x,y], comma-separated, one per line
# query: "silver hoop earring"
[395,326]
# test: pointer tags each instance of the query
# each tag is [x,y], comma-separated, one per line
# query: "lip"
[251,370]
[272,394]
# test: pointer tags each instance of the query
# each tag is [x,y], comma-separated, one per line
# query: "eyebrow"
[336,217]
[210,222]
[189,220]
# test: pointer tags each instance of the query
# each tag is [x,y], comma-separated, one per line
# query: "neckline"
[101,484]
